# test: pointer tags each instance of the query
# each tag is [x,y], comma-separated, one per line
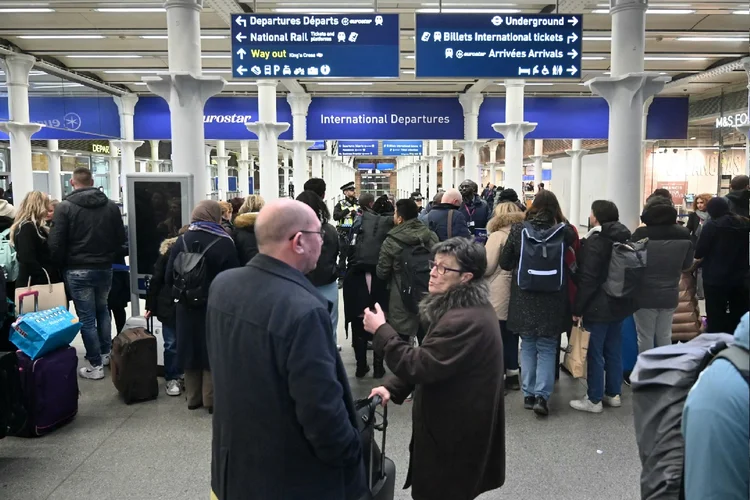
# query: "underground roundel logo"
[497,20]
[72,121]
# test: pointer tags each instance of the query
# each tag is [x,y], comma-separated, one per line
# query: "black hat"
[416,196]
[347,186]
[507,195]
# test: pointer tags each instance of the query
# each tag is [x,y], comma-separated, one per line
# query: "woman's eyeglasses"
[441,269]
[321,233]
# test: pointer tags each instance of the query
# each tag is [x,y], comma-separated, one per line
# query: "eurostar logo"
[72,121]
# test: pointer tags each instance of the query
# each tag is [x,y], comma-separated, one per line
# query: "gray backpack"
[661,381]
[627,267]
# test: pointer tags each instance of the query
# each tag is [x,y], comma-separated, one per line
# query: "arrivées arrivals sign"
[310,46]
[498,46]
[358,148]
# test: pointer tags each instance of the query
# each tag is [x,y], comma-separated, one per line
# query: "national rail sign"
[499,45]
[312,46]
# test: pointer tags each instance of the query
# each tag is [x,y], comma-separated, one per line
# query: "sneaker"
[362,371]
[612,401]
[540,406]
[512,383]
[409,398]
[338,347]
[528,403]
[585,404]
[173,388]
[92,373]
[105,359]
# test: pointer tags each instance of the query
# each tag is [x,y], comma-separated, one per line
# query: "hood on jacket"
[247,220]
[659,212]
[504,220]
[475,293]
[616,231]
[411,232]
[742,333]
[731,222]
[90,197]
[166,245]
[7,210]
[445,206]
[741,197]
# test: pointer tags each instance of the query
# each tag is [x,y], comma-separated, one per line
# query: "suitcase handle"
[374,402]
[23,295]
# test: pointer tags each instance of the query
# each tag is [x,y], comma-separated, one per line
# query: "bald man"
[448,210]
[284,422]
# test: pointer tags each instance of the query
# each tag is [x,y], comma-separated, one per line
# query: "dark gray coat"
[535,313]
[284,425]
[437,221]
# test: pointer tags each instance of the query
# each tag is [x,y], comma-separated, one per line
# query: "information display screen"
[498,46]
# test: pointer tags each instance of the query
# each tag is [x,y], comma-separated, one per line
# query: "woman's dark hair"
[382,205]
[661,192]
[312,200]
[471,257]
[605,211]
[316,185]
[407,209]
[236,204]
[546,201]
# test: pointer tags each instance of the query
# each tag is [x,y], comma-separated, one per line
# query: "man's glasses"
[441,269]
[321,233]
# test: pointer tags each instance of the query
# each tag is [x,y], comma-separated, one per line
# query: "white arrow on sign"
[573,53]
[572,70]
[572,38]
[242,53]
[241,37]
[241,70]
[573,21]
[241,21]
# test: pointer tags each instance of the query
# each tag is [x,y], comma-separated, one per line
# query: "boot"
[511,380]
[379,370]
[362,370]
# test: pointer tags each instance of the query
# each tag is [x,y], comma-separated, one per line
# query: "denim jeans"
[539,355]
[510,347]
[89,289]
[171,363]
[331,293]
[604,355]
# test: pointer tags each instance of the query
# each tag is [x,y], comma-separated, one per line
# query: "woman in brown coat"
[505,215]
[686,322]
[456,375]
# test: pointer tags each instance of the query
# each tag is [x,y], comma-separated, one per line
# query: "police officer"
[344,214]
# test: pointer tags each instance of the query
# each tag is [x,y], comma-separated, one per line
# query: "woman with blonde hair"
[244,228]
[504,216]
[28,235]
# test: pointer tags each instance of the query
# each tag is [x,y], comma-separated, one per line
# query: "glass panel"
[39,162]
[100,169]
[3,160]
[377,184]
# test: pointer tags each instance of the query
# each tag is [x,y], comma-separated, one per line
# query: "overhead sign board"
[366,166]
[498,46]
[402,148]
[310,46]
[358,148]
[318,146]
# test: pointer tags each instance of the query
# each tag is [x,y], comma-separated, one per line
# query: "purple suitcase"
[50,390]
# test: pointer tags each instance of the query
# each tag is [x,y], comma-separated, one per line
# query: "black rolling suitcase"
[12,409]
[381,471]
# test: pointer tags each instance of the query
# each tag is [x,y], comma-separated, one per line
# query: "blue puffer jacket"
[477,212]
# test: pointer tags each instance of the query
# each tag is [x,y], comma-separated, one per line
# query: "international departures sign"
[310,46]
[498,46]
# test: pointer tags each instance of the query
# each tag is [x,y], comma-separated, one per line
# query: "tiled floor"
[160,450]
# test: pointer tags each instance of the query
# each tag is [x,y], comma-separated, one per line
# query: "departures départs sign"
[498,46]
[313,46]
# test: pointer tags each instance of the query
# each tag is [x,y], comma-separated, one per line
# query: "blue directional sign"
[499,46]
[358,148]
[310,46]
[402,148]
[318,146]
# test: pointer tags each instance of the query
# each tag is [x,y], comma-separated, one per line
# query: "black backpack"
[542,262]
[190,275]
[415,274]
[370,238]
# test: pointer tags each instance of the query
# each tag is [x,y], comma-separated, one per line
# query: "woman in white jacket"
[504,216]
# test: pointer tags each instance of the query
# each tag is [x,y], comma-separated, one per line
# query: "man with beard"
[473,206]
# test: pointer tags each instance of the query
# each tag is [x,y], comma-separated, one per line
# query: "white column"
[745,128]
[514,130]
[18,127]
[626,90]
[53,178]
[644,145]
[493,163]
[317,164]
[538,160]
[153,163]
[186,90]
[208,168]
[268,130]
[299,104]
[114,172]
[222,165]
[432,180]
[448,153]
[285,160]
[423,176]
[576,153]
[127,145]
[471,102]
[244,168]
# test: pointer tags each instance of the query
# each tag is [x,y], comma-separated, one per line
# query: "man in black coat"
[739,196]
[437,219]
[284,425]
[602,314]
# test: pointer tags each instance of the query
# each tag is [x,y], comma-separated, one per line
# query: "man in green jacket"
[409,231]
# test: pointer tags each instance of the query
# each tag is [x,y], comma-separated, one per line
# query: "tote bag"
[39,333]
[575,354]
[49,296]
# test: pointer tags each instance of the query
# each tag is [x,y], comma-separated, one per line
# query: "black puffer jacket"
[325,272]
[87,231]
[244,237]
[159,298]
[669,252]
[739,202]
[534,313]
[724,248]
[593,267]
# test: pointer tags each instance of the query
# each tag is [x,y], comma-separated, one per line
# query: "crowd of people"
[443,310]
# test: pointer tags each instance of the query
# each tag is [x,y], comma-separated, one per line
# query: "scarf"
[209,227]
[702,215]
